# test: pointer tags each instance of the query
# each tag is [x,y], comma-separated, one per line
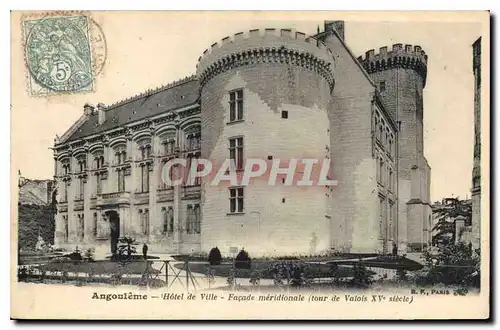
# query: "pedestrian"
[145,251]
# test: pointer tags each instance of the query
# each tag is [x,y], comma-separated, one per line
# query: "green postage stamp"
[58,54]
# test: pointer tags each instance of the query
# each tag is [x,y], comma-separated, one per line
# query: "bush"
[126,248]
[214,257]
[451,265]
[90,254]
[75,255]
[362,277]
[243,260]
[294,272]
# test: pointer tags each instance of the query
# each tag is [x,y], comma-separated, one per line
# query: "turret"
[400,56]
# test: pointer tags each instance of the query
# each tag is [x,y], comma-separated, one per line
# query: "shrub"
[90,254]
[255,277]
[362,277]
[75,255]
[214,257]
[243,260]
[126,248]
[295,273]
[451,265]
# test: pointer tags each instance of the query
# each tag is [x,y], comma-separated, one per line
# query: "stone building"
[272,94]
[476,171]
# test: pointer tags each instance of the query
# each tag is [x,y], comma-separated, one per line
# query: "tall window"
[193,141]
[197,219]
[145,151]
[390,225]
[66,228]
[144,178]
[382,86]
[81,227]
[82,188]
[236,198]
[144,220]
[121,179]
[391,180]
[170,218]
[189,219]
[98,183]
[66,168]
[390,146]
[94,225]
[164,217]
[382,217]
[168,147]
[99,161]
[121,157]
[236,151]
[381,170]
[236,105]
[65,194]
[189,161]
[82,165]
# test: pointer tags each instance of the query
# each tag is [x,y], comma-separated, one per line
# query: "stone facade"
[268,94]
[400,75]
[476,171]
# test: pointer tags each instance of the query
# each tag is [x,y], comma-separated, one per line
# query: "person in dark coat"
[394,250]
[145,251]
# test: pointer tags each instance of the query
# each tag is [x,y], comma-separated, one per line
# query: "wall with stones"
[354,201]
[277,219]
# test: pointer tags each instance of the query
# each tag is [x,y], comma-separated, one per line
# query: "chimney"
[101,113]
[88,109]
[338,26]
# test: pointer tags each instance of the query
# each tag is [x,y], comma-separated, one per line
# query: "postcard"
[171,165]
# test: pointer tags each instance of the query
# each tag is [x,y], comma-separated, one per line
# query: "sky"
[149,49]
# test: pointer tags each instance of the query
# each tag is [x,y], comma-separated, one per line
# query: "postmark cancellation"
[63,53]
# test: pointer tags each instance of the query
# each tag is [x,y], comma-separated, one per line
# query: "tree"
[126,247]
[454,264]
[446,214]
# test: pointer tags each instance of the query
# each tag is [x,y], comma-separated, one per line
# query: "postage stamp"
[63,53]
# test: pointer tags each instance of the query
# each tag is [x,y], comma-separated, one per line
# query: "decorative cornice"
[275,55]
[398,61]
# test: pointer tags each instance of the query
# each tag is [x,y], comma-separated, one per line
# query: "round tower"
[400,76]
[265,95]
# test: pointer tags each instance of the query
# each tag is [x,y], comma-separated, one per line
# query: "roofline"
[196,104]
[150,92]
[355,59]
